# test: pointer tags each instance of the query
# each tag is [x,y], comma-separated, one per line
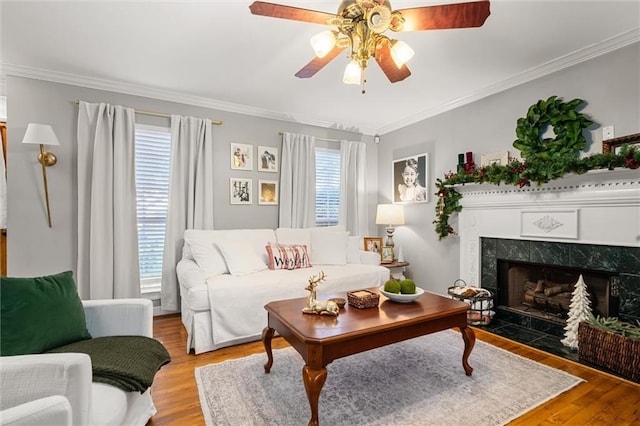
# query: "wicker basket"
[363,299]
[610,350]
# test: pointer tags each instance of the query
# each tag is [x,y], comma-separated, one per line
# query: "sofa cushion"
[41,313]
[282,256]
[240,257]
[354,244]
[328,246]
[300,236]
[208,257]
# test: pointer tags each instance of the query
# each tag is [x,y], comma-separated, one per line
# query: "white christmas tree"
[579,310]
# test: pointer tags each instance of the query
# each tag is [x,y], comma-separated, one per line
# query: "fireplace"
[546,291]
[513,269]
[578,225]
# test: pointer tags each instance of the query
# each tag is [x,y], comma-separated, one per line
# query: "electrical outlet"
[607,133]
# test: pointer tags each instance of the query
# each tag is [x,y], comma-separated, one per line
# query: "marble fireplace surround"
[589,221]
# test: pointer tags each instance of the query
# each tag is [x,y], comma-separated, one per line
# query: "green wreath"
[567,125]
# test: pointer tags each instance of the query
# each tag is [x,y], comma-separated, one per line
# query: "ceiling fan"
[360,24]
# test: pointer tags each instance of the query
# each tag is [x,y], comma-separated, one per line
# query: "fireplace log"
[558,288]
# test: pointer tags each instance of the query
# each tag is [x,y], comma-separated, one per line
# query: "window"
[153,153]
[327,186]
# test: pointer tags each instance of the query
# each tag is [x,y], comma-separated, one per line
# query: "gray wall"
[610,86]
[35,249]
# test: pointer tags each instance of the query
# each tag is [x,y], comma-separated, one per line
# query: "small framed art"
[240,191]
[614,145]
[386,256]
[373,244]
[410,179]
[241,156]
[497,158]
[268,192]
[267,159]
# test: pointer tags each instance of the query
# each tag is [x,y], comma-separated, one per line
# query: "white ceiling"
[217,54]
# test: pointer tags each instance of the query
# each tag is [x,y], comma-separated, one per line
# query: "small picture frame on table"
[386,256]
[373,244]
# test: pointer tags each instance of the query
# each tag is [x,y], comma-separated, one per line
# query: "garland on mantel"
[546,159]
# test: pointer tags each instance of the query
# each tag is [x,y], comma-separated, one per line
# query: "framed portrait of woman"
[410,180]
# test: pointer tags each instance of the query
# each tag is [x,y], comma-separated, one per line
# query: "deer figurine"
[317,307]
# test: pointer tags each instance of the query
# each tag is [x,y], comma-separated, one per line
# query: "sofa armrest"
[52,410]
[119,317]
[369,257]
[189,274]
[25,378]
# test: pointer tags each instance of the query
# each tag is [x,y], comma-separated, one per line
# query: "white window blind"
[327,186]
[153,154]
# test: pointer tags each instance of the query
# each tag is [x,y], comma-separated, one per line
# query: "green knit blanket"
[127,362]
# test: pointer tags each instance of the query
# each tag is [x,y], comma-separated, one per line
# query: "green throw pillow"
[38,314]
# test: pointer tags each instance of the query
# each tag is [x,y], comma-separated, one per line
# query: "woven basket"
[610,350]
[363,299]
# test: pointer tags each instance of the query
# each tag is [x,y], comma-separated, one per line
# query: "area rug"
[416,382]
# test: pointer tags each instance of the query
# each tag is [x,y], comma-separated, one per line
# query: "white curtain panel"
[353,196]
[190,195]
[108,265]
[3,192]
[298,181]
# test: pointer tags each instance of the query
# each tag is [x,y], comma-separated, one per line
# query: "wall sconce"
[43,134]
[376,138]
[390,215]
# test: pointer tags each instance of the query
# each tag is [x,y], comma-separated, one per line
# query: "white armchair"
[57,389]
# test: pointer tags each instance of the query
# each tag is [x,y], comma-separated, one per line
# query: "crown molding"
[581,55]
[574,58]
[7,69]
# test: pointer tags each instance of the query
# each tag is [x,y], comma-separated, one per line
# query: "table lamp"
[390,215]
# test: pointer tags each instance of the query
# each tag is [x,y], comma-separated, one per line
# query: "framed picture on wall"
[410,180]
[267,159]
[240,191]
[241,156]
[268,192]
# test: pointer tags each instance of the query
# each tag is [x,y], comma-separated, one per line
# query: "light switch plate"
[607,133]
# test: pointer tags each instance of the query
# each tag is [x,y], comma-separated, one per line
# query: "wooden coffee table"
[321,339]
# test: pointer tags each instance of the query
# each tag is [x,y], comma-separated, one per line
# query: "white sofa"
[225,279]
[57,388]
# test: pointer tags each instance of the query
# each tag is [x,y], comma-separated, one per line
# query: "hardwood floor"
[601,400]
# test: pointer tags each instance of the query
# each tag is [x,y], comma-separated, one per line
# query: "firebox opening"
[545,291]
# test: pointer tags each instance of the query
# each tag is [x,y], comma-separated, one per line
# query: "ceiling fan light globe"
[401,52]
[323,42]
[352,73]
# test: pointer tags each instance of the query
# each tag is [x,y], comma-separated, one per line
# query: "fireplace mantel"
[599,207]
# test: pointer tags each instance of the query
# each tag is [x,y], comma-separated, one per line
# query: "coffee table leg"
[469,338]
[313,381]
[267,335]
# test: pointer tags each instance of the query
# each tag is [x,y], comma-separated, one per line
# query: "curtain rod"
[320,139]
[160,114]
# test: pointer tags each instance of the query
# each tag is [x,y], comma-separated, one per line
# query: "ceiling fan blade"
[457,15]
[288,12]
[388,66]
[316,64]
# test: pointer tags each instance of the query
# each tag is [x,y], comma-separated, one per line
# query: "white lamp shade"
[390,214]
[323,42]
[40,134]
[352,73]
[401,53]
